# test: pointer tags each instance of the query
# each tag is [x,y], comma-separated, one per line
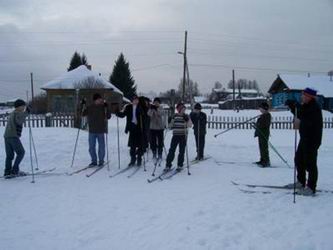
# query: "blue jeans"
[92,147]
[13,145]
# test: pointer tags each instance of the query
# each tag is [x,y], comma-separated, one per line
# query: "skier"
[310,129]
[135,121]
[262,128]
[157,125]
[179,123]
[97,113]
[12,136]
[199,120]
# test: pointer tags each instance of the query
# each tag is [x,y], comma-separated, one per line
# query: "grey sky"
[259,38]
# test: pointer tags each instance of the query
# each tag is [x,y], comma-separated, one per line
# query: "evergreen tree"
[77,60]
[121,77]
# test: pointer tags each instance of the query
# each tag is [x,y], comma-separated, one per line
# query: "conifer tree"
[77,60]
[121,77]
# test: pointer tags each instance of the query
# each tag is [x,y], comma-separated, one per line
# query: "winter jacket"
[97,118]
[128,113]
[199,121]
[15,124]
[311,123]
[179,124]
[263,125]
[157,118]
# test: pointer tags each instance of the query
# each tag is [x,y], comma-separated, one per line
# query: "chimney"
[309,74]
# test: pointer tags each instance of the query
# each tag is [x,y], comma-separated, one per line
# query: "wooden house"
[291,86]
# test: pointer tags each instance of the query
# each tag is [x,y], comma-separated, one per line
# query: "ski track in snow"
[201,211]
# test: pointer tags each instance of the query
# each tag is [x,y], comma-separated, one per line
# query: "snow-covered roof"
[243,91]
[77,78]
[321,83]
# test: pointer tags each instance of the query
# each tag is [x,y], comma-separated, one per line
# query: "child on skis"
[262,129]
[199,120]
[12,136]
[179,124]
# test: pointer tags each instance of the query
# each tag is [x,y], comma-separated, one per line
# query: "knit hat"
[157,100]
[180,106]
[19,103]
[310,92]
[197,106]
[264,105]
[96,96]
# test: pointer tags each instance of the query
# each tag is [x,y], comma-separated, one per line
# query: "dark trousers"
[13,145]
[175,141]
[263,147]
[157,141]
[306,160]
[200,143]
[136,144]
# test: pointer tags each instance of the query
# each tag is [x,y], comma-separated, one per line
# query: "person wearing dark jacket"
[97,114]
[262,130]
[12,136]
[135,126]
[179,123]
[199,120]
[310,129]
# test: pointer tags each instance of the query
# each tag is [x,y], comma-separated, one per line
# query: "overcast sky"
[259,38]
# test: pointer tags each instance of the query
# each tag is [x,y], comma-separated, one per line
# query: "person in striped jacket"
[178,123]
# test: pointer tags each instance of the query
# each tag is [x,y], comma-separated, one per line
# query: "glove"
[186,118]
[83,102]
[105,104]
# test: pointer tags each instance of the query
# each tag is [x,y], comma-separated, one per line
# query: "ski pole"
[186,150]
[198,148]
[235,126]
[143,144]
[295,148]
[34,147]
[77,138]
[30,147]
[107,137]
[118,143]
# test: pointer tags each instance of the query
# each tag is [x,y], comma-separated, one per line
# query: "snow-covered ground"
[201,211]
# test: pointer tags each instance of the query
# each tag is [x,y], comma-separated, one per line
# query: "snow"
[73,78]
[201,211]
[321,83]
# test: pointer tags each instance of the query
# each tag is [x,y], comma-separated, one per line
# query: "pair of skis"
[253,188]
[96,169]
[41,172]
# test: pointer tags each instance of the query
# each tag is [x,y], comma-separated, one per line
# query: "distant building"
[65,92]
[244,98]
[290,87]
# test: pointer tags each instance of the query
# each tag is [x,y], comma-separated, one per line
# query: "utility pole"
[233,89]
[32,89]
[185,66]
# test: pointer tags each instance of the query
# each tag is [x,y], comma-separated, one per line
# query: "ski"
[41,172]
[198,161]
[276,187]
[122,171]
[172,174]
[134,172]
[160,176]
[80,170]
[97,169]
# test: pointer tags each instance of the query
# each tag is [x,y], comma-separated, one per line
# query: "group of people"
[146,123]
